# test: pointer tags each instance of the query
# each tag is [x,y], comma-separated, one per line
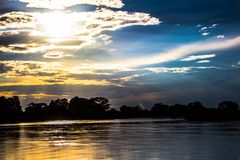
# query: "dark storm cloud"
[4,68]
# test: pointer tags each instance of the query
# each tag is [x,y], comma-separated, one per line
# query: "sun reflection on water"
[119,139]
[54,140]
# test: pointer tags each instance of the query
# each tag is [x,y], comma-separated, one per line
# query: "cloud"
[56,55]
[179,69]
[128,78]
[210,67]
[61,4]
[30,95]
[204,61]
[205,34]
[197,57]
[4,68]
[214,25]
[31,73]
[237,65]
[220,36]
[32,68]
[21,73]
[105,38]
[66,30]
[206,30]
[170,55]
[130,63]
[170,70]
[203,28]
[16,20]
[7,94]
[134,63]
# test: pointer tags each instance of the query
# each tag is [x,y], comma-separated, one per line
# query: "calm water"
[121,139]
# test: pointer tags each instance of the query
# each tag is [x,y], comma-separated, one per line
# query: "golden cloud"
[63,30]
[45,73]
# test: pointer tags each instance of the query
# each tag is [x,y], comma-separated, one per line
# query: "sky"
[131,52]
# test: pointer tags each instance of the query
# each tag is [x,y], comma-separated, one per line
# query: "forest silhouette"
[78,108]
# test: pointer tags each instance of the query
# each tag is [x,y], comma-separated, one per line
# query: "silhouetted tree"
[79,105]
[137,111]
[11,104]
[196,106]
[100,104]
[36,111]
[228,106]
[10,109]
[58,107]
[83,105]
[160,110]
[178,111]
[99,107]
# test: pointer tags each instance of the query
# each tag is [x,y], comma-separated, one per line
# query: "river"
[126,139]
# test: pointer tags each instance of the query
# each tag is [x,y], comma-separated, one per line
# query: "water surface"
[120,139]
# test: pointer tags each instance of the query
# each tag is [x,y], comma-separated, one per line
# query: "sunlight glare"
[57,25]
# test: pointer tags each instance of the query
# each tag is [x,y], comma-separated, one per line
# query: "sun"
[57,25]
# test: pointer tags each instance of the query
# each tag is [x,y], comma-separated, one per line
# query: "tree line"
[99,108]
